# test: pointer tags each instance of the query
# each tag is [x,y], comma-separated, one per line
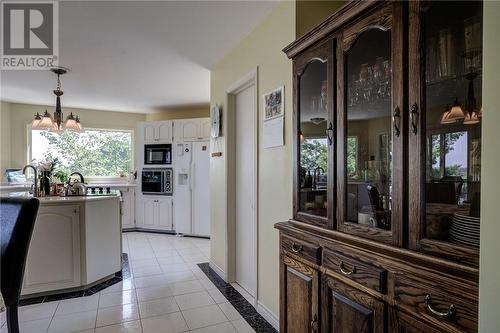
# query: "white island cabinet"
[76,242]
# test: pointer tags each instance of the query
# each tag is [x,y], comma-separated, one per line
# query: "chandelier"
[56,123]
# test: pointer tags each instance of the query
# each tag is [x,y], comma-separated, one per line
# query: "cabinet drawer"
[362,272]
[301,248]
[437,303]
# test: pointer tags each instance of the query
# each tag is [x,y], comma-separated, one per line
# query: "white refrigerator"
[191,188]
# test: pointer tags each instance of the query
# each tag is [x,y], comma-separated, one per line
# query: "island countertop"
[61,199]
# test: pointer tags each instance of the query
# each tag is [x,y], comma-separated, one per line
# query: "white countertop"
[68,199]
[111,185]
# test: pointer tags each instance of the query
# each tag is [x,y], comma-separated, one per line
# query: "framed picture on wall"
[274,103]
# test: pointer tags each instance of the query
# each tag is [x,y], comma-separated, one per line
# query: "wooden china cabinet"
[387,125]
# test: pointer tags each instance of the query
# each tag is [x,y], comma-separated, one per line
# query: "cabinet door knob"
[329,133]
[346,271]
[396,120]
[296,248]
[448,314]
[413,115]
[314,323]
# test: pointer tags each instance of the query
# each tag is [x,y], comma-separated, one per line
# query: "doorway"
[242,186]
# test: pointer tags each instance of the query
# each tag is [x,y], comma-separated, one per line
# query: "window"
[352,156]
[449,155]
[314,154]
[101,153]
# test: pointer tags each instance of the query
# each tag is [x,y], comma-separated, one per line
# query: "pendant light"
[70,124]
[57,123]
[456,113]
[46,122]
[445,117]
[36,121]
[471,118]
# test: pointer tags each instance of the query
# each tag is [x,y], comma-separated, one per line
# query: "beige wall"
[180,113]
[22,115]
[262,49]
[489,276]
[310,13]
[5,143]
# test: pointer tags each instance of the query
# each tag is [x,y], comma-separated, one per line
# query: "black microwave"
[158,154]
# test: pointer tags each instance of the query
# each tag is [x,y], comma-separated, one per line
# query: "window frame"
[90,179]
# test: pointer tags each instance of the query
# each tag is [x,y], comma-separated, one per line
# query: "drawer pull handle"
[345,271]
[296,248]
[448,314]
[314,323]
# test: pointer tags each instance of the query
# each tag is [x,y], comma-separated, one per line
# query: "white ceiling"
[137,56]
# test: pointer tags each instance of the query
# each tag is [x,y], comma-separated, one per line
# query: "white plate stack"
[465,230]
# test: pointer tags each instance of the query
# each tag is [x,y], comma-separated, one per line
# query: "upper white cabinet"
[158,131]
[149,131]
[192,129]
[165,131]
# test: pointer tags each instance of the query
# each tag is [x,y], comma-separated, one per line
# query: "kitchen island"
[76,243]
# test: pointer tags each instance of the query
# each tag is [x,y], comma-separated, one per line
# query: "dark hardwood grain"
[339,276]
[364,273]
[295,247]
[388,16]
[300,292]
[350,310]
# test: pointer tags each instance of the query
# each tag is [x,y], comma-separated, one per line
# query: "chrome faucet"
[35,184]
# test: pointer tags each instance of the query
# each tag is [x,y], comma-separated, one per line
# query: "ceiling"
[137,56]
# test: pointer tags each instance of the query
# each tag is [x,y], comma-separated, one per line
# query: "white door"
[164,207]
[200,182]
[245,182]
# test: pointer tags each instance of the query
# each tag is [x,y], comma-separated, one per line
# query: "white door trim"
[243,83]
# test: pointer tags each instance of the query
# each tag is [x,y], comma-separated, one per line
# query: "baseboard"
[268,315]
[152,231]
[244,293]
[220,272]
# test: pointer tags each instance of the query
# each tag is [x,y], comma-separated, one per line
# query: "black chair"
[17,217]
[374,196]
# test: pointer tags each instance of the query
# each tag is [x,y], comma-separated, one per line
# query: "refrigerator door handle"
[191,173]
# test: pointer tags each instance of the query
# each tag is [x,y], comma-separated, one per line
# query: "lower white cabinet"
[156,212]
[127,208]
[54,264]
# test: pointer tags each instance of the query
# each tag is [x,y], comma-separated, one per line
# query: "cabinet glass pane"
[313,140]
[369,136]
[453,114]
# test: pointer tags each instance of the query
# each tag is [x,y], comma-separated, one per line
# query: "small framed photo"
[274,103]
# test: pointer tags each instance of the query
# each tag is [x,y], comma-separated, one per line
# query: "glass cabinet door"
[445,52]
[370,129]
[314,142]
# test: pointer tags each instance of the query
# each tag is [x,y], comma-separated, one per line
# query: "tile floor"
[167,293]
